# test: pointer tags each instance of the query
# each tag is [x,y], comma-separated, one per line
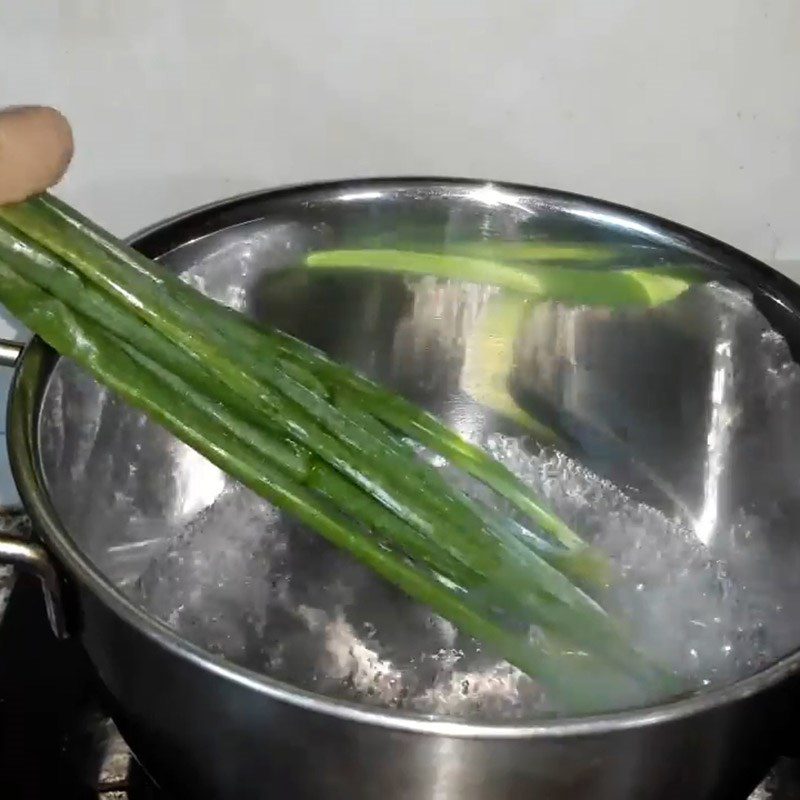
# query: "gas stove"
[56,741]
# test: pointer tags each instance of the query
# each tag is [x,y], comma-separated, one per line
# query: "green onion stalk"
[329,446]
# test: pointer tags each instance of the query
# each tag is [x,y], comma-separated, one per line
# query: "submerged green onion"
[614,288]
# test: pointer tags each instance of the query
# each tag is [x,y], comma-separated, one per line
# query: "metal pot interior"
[667,435]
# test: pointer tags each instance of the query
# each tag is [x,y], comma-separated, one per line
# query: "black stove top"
[55,739]
[56,743]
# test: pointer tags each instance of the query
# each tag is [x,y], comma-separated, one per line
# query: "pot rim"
[35,365]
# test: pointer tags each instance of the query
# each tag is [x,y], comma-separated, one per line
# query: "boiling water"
[246,583]
[707,594]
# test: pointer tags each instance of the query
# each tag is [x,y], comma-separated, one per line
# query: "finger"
[35,149]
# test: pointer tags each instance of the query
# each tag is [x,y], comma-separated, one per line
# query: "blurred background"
[689,110]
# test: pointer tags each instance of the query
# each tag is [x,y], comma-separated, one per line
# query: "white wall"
[688,108]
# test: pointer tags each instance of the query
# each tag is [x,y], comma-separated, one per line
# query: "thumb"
[35,150]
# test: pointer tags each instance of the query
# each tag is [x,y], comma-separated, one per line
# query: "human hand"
[35,150]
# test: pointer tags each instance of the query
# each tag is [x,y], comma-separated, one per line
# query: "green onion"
[614,288]
[75,237]
[540,251]
[329,446]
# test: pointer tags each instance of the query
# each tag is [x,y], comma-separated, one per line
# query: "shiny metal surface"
[689,406]
[26,555]
[9,352]
[34,559]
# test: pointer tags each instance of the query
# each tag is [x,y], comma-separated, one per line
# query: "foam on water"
[686,610]
[249,584]
[246,583]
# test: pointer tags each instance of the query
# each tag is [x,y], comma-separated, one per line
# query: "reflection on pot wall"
[695,401]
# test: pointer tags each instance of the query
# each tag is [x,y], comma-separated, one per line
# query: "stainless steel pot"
[690,405]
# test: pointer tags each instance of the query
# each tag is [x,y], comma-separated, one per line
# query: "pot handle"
[34,559]
[28,556]
[10,352]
